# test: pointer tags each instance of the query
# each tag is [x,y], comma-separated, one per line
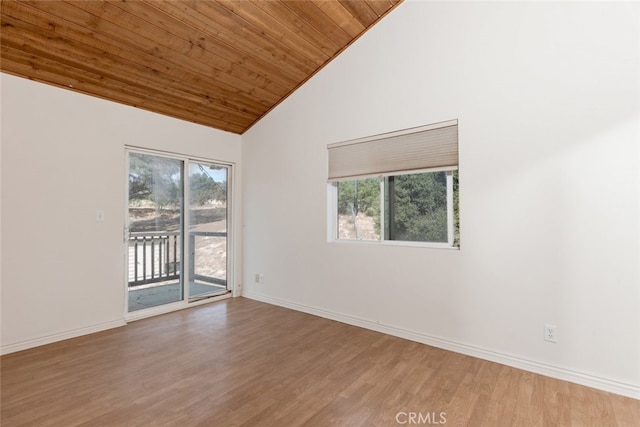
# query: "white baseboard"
[600,383]
[142,314]
[24,345]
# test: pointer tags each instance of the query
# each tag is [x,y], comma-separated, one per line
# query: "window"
[403,201]
[359,209]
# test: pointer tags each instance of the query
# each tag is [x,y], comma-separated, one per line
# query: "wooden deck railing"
[156,257]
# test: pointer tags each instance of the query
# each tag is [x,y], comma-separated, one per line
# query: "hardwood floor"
[240,362]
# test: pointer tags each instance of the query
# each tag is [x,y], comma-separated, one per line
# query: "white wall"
[547,98]
[63,158]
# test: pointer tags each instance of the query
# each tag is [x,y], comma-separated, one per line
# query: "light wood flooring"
[240,362]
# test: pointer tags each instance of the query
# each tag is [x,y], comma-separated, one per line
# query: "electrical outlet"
[257,278]
[550,333]
[262,279]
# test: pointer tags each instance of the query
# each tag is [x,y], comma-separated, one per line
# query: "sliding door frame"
[185,253]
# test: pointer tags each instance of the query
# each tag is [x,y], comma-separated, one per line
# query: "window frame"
[333,222]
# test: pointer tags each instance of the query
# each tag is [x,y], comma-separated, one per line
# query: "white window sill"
[430,245]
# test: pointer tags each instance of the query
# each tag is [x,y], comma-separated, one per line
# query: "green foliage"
[417,207]
[360,195]
[159,180]
[456,209]
[204,188]
[154,178]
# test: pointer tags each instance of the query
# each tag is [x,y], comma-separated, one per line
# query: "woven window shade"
[427,147]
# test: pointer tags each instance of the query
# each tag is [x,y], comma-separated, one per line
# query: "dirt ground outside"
[366,227]
[210,251]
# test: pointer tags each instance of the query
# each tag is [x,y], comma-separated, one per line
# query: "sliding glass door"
[154,231]
[207,229]
[176,230]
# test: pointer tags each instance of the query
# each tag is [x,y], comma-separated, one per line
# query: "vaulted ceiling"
[223,64]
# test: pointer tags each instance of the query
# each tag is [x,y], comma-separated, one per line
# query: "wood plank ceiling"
[223,64]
